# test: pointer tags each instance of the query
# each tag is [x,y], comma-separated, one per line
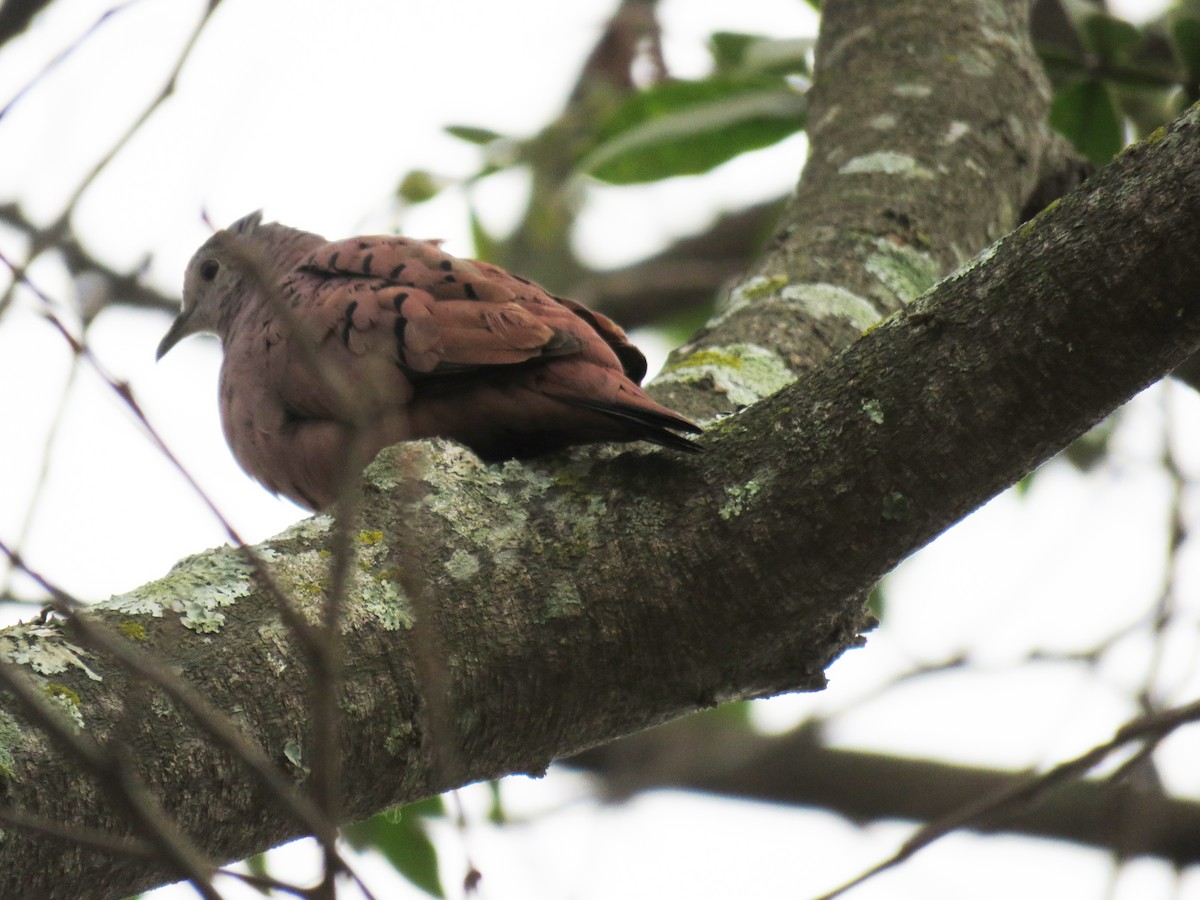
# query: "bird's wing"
[429,311]
[382,313]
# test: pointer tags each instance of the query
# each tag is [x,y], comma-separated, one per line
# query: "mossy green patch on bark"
[67,700]
[135,631]
[745,373]
[750,291]
[10,732]
[740,496]
[873,410]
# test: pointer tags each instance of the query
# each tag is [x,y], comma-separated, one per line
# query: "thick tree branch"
[742,560]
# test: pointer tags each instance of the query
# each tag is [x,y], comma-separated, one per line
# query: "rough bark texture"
[925,144]
[575,600]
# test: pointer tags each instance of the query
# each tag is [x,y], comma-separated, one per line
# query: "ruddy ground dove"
[357,344]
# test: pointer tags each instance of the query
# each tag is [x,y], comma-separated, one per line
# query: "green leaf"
[1185,35]
[400,836]
[1021,488]
[257,864]
[877,601]
[728,48]
[486,246]
[496,813]
[733,714]
[781,57]
[751,53]
[691,127]
[1108,37]
[419,185]
[1084,112]
[473,135]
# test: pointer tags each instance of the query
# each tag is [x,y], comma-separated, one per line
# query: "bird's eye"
[209,269]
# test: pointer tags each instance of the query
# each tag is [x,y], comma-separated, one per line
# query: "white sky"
[314,115]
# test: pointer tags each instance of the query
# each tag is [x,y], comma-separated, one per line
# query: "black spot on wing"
[445,265]
[395,273]
[398,330]
[469,290]
[399,299]
[349,323]
[366,266]
[333,259]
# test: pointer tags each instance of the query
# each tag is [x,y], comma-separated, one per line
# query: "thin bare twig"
[213,720]
[115,845]
[62,55]
[312,641]
[42,479]
[298,625]
[53,233]
[1152,728]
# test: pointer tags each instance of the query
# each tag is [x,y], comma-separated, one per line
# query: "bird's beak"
[178,331]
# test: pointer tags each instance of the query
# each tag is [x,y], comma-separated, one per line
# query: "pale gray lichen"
[745,373]
[135,603]
[913,91]
[904,271]
[883,122]
[884,162]
[43,648]
[307,531]
[197,586]
[744,294]
[201,616]
[461,565]
[979,259]
[275,645]
[874,410]
[484,518]
[740,496]
[955,132]
[293,752]
[373,580]
[385,600]
[67,702]
[976,61]
[824,301]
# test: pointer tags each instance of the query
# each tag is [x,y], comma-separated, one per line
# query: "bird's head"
[213,275]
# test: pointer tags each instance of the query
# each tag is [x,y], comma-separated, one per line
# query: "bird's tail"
[649,422]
